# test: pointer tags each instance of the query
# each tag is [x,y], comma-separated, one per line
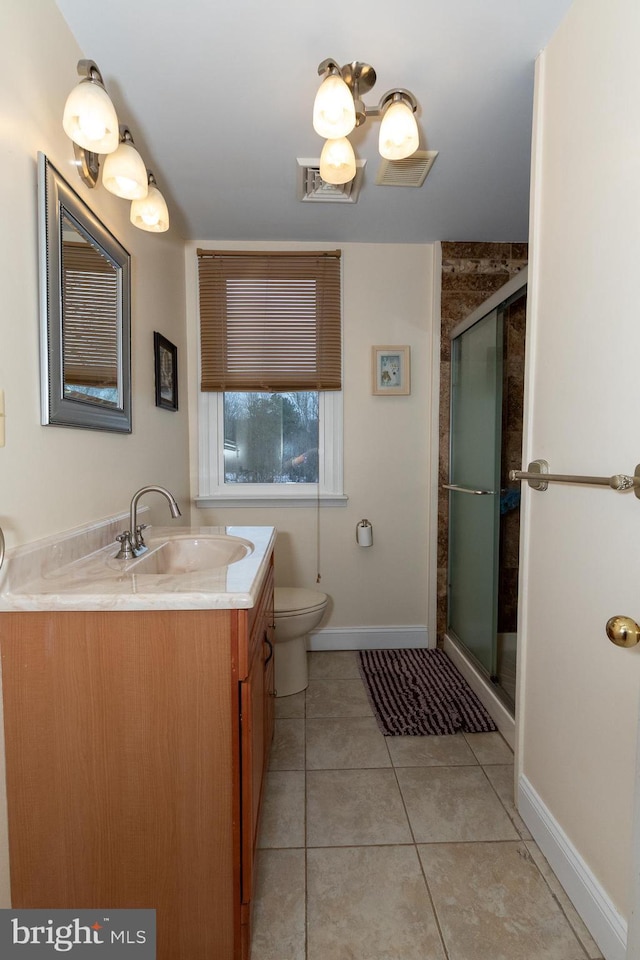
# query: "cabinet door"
[252,746]
[256,727]
[269,693]
[269,675]
[119,732]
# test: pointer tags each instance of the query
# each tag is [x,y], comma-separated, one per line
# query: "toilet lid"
[296,599]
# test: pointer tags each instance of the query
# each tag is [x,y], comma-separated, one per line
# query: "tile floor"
[397,848]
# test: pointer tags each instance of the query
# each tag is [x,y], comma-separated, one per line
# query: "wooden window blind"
[270,321]
[90,296]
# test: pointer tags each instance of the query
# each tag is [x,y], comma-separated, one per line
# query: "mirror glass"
[85,328]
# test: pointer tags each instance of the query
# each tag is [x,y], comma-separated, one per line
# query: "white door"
[578,692]
[633,934]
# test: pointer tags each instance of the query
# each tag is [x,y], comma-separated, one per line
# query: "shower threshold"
[490,695]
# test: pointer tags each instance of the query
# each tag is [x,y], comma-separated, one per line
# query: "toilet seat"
[292,601]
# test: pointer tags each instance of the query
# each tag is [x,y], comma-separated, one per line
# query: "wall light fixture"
[150,212]
[338,109]
[90,118]
[124,172]
[91,122]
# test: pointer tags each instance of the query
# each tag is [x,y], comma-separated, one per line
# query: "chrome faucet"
[132,542]
[137,541]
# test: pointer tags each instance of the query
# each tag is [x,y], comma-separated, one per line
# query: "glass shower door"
[474,488]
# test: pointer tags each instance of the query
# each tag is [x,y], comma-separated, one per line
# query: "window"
[270,401]
[271,437]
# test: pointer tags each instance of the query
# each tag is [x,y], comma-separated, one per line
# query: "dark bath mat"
[418,692]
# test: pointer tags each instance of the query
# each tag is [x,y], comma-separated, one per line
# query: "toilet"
[297,611]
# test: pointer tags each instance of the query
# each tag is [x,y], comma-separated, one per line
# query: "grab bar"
[539,478]
[459,489]
[1,548]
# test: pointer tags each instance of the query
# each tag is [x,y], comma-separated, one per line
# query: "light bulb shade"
[334,113]
[125,174]
[150,213]
[399,136]
[337,161]
[90,119]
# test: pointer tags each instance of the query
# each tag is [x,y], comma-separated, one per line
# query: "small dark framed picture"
[166,362]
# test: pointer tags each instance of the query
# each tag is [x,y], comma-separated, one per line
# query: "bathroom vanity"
[138,718]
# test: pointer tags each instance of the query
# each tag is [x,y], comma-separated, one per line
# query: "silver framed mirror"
[85,314]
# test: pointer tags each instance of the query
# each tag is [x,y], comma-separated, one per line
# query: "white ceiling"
[218,97]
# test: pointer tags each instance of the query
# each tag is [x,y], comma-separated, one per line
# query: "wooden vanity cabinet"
[256,726]
[136,745]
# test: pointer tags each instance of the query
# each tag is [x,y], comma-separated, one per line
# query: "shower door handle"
[458,489]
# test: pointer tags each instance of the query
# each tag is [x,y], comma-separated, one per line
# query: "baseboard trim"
[605,924]
[500,715]
[368,638]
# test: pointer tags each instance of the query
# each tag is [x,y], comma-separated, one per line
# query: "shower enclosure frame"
[477,675]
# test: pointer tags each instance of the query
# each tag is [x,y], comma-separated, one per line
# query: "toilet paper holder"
[364,533]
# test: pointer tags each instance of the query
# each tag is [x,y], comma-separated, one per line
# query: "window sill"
[284,500]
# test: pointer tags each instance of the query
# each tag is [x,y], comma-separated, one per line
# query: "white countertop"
[47,580]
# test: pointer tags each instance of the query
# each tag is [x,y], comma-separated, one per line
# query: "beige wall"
[387,299]
[54,478]
[578,693]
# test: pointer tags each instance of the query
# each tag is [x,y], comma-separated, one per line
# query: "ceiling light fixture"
[334,114]
[150,213]
[338,109]
[399,137]
[337,161]
[124,173]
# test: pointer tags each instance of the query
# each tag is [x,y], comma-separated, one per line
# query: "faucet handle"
[126,549]
[139,537]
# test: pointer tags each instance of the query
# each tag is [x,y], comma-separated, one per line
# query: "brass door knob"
[623,631]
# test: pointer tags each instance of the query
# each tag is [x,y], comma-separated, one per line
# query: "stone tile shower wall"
[512,402]
[471,272]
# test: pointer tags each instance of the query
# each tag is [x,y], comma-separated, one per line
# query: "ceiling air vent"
[411,172]
[313,189]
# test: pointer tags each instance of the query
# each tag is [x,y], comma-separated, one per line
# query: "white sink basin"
[190,554]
